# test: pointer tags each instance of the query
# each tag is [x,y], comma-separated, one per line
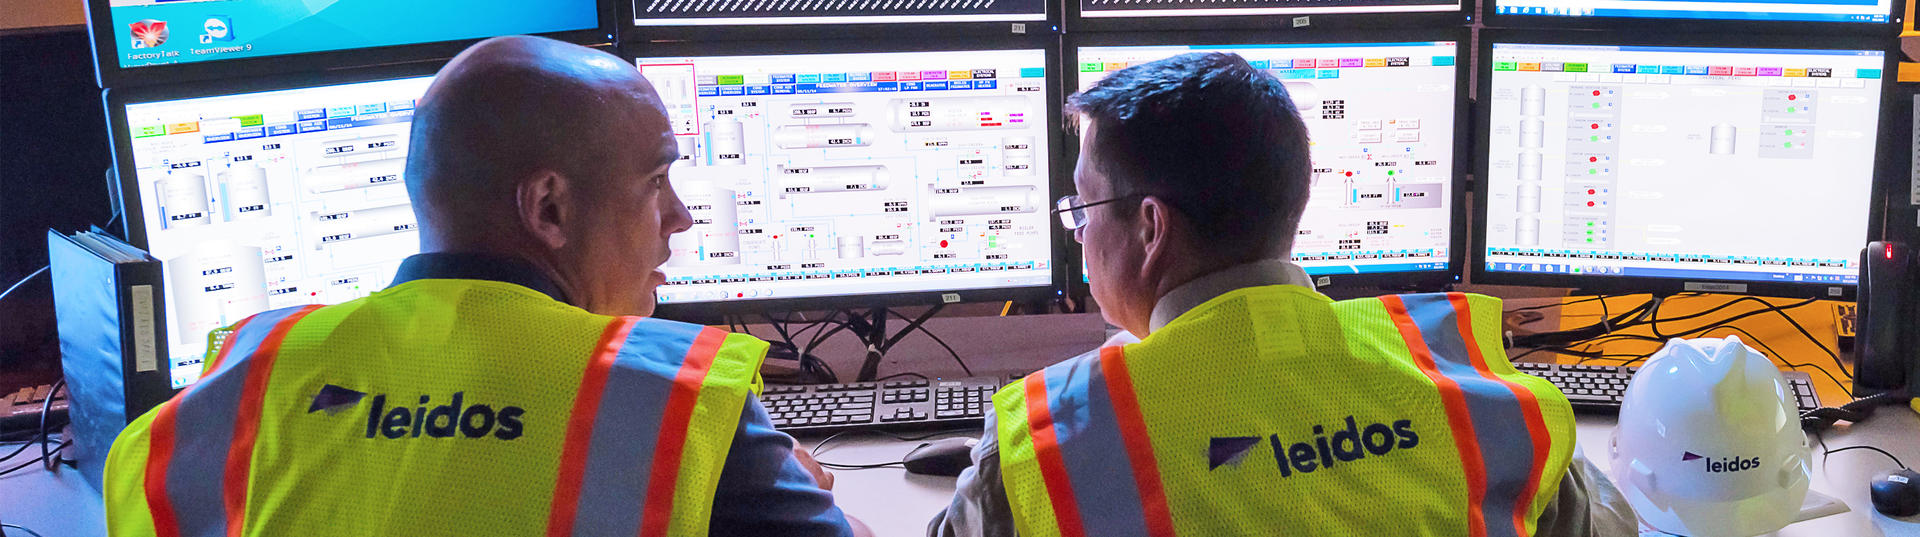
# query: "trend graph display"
[782,12]
[1695,163]
[267,200]
[846,174]
[1381,120]
[1095,9]
[1841,11]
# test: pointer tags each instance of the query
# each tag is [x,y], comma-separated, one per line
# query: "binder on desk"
[109,303]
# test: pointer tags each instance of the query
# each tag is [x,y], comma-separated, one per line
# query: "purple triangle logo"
[334,399]
[1690,456]
[1228,449]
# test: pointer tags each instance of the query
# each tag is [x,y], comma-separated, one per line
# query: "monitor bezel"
[1882,176]
[1462,132]
[109,74]
[1671,26]
[1050,44]
[133,216]
[630,32]
[1278,25]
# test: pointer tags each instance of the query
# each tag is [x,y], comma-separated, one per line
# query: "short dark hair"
[1216,138]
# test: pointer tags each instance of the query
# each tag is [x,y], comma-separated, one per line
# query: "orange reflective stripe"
[586,406]
[1464,439]
[1529,408]
[673,431]
[159,458]
[1053,469]
[246,424]
[1133,432]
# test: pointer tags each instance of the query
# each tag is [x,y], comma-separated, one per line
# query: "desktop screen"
[1381,120]
[845,174]
[158,32]
[267,200]
[784,12]
[1690,163]
[1845,11]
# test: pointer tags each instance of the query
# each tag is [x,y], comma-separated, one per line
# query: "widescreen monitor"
[1789,15]
[1689,168]
[1383,122]
[690,18]
[140,42]
[265,199]
[859,177]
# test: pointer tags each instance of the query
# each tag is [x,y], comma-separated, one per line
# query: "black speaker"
[1884,350]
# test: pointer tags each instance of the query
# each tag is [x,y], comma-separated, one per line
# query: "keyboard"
[20,410]
[1601,388]
[891,405]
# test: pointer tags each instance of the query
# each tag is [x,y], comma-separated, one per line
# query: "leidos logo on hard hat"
[1731,464]
[449,420]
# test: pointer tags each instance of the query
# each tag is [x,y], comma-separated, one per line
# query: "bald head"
[513,107]
[537,149]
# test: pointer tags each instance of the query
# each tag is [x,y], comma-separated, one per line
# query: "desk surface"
[896,503]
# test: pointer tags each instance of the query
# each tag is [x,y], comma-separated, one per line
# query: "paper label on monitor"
[145,351]
[1913,180]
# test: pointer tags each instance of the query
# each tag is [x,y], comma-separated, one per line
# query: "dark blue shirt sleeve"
[764,490]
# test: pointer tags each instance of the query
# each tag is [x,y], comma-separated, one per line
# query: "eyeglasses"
[1073,214]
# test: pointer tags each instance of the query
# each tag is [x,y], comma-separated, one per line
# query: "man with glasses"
[1253,405]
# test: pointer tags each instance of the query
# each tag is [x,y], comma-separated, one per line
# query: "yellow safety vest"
[440,407]
[1276,411]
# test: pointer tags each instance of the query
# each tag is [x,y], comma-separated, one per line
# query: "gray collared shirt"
[1586,505]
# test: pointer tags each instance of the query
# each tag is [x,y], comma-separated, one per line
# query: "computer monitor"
[264,197]
[139,42]
[703,20]
[1383,116]
[850,174]
[1795,16]
[1725,167]
[1270,16]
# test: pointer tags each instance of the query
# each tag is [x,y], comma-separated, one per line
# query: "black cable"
[36,460]
[917,323]
[815,452]
[936,339]
[46,407]
[23,281]
[21,528]
[898,375]
[1896,460]
[1563,304]
[1857,411]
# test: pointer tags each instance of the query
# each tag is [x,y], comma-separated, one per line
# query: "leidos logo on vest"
[450,420]
[1321,452]
[1731,464]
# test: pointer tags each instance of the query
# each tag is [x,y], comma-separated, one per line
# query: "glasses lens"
[1071,217]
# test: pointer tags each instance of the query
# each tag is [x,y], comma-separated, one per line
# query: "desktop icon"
[218,28]
[149,33]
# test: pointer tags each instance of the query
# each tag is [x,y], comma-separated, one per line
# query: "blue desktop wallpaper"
[185,31]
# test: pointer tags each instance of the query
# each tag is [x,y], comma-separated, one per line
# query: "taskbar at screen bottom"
[920,281]
[1585,270]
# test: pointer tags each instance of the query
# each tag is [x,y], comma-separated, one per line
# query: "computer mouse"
[944,457]
[1897,493]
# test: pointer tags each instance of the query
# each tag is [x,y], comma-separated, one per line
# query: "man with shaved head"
[507,383]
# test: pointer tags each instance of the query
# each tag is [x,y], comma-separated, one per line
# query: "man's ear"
[1153,227]
[543,208]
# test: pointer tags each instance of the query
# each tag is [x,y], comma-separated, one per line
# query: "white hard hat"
[1709,442]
